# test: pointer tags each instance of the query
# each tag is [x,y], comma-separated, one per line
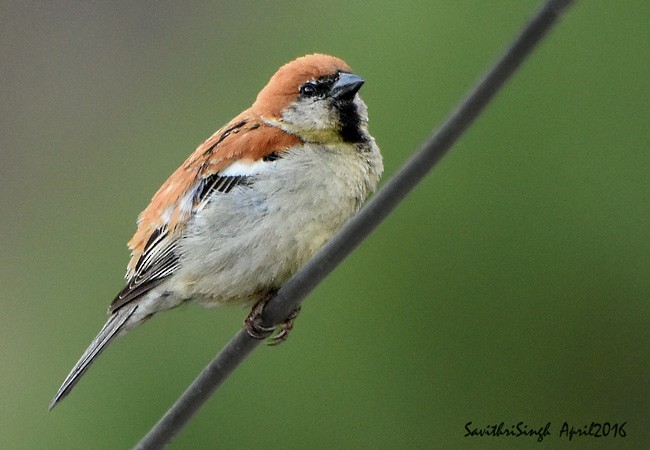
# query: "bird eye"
[308,89]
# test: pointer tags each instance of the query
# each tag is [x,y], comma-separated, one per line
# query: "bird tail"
[108,332]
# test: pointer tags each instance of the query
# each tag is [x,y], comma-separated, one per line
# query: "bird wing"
[246,140]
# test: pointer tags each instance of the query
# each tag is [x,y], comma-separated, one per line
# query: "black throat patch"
[350,122]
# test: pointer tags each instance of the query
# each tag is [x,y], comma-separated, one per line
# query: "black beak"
[346,87]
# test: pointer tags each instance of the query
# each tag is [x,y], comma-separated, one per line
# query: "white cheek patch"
[310,115]
[245,168]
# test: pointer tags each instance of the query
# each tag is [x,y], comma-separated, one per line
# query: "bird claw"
[255,329]
[285,328]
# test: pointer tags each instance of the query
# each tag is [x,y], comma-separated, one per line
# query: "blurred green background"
[512,285]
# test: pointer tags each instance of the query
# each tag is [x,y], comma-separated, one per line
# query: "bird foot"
[285,328]
[254,327]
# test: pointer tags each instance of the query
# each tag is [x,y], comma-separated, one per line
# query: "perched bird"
[252,204]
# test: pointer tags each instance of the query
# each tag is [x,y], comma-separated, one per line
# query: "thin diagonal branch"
[339,247]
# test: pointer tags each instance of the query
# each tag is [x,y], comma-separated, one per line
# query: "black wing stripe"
[158,261]
[217,183]
[150,258]
[151,249]
[233,129]
[141,283]
[127,295]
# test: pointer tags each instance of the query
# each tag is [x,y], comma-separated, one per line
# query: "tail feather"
[108,332]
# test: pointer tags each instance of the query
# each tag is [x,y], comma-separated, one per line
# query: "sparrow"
[252,204]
